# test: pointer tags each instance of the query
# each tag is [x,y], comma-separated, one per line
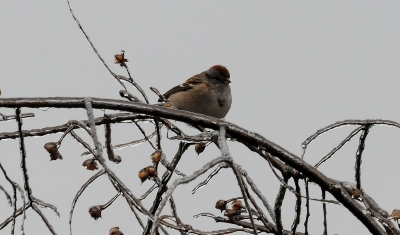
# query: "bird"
[206,93]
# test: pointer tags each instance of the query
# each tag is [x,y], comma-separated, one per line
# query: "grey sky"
[295,67]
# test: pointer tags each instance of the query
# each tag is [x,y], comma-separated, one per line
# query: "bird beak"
[227,81]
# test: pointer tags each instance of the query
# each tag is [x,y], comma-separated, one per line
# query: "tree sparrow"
[207,93]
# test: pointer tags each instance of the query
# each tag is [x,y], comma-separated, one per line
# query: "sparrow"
[206,93]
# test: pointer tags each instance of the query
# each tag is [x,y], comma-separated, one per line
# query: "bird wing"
[187,85]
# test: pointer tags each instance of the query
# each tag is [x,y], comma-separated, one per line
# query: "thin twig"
[14,200]
[209,177]
[46,205]
[360,150]
[243,224]
[296,219]
[184,180]
[94,48]
[124,145]
[79,193]
[175,214]
[132,81]
[307,206]
[341,144]
[44,219]
[261,216]
[12,117]
[278,206]
[12,217]
[324,213]
[259,195]
[290,188]
[347,123]
[112,118]
[145,136]
[147,193]
[23,157]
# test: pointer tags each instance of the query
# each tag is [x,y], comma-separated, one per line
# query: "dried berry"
[156,156]
[90,164]
[115,231]
[199,148]
[147,172]
[237,205]
[95,212]
[52,148]
[395,214]
[151,170]
[221,205]
[230,213]
[143,175]
[117,159]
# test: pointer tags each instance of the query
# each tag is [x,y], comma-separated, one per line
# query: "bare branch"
[240,134]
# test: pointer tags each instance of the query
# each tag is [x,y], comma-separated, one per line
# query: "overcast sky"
[295,67]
